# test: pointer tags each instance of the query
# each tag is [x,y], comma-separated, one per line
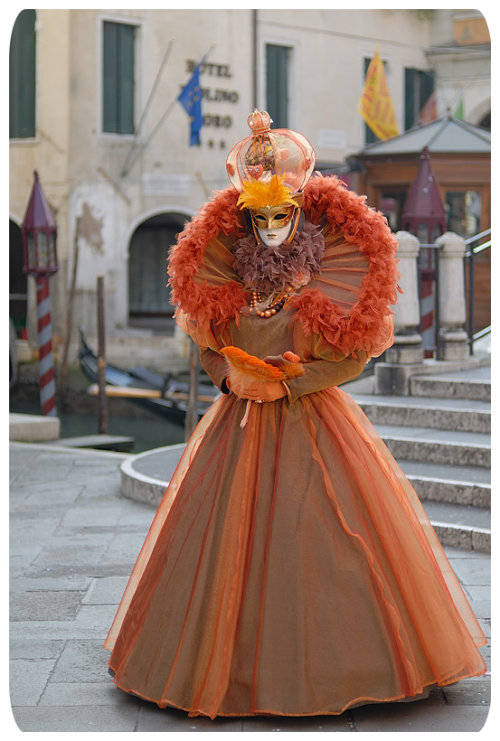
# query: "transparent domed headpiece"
[267,152]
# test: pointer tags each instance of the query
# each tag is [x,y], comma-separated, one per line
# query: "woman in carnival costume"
[290,568]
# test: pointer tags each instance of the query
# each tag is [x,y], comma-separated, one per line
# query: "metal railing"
[474,246]
[471,252]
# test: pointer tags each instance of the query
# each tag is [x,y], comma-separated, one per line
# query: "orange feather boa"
[366,325]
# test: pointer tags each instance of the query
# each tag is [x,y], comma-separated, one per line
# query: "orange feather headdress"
[258,194]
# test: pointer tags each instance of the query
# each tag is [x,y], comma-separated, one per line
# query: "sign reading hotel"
[214,94]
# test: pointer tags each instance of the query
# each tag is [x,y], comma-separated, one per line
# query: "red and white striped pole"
[45,355]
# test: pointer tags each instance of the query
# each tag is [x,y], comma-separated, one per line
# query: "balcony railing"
[475,245]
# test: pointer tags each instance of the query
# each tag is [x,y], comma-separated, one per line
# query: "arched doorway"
[149,298]
[18,284]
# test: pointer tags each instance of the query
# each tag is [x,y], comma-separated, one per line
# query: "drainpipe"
[254,57]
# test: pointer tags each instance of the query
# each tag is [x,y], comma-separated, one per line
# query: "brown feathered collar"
[270,269]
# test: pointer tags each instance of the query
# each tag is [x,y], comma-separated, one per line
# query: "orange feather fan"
[245,365]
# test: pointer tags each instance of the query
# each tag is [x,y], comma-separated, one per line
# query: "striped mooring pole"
[39,232]
[45,355]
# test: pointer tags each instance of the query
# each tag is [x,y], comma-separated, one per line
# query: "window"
[419,89]
[118,78]
[277,84]
[391,201]
[22,76]
[463,209]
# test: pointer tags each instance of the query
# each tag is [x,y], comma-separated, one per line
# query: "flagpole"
[155,84]
[137,129]
[166,114]
[162,119]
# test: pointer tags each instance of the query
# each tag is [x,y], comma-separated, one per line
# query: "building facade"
[94,110]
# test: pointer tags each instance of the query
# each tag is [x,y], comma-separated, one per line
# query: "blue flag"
[190,99]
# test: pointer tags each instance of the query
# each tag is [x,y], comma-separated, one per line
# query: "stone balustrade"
[406,357]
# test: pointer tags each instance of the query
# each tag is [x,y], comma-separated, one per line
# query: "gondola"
[172,393]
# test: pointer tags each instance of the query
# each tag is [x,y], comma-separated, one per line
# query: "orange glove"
[256,390]
[288,363]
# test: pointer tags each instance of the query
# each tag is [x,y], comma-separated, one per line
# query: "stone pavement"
[73,541]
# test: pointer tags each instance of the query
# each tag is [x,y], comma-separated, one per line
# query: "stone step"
[475,385]
[464,485]
[459,514]
[461,526]
[145,476]
[424,411]
[30,428]
[119,443]
[451,447]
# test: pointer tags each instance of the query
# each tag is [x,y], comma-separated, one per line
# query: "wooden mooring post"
[101,359]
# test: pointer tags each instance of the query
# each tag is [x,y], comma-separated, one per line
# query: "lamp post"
[39,232]
[424,216]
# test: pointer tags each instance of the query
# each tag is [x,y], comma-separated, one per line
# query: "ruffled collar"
[351,313]
[272,269]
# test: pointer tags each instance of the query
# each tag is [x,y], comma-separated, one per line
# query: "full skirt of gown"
[290,569]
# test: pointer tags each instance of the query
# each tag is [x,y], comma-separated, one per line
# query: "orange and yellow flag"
[375,104]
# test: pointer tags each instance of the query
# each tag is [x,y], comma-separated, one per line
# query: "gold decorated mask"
[272,217]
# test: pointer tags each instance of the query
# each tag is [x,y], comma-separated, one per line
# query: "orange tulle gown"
[290,568]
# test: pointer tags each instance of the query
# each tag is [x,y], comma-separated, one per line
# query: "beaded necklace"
[256,301]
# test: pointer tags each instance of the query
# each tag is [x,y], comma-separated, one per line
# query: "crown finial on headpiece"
[259,121]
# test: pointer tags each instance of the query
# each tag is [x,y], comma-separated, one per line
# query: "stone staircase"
[440,436]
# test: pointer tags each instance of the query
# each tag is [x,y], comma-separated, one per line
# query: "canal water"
[149,430]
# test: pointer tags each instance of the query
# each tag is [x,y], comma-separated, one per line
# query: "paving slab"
[81,661]
[39,649]
[107,590]
[152,719]
[319,723]
[27,679]
[476,691]
[45,605]
[71,694]
[74,718]
[423,716]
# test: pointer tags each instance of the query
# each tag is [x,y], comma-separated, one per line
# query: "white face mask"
[274,237]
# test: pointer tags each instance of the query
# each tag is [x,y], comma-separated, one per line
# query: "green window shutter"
[118,78]
[277,84]
[410,85]
[22,76]
[109,78]
[427,85]
[419,86]
[126,41]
